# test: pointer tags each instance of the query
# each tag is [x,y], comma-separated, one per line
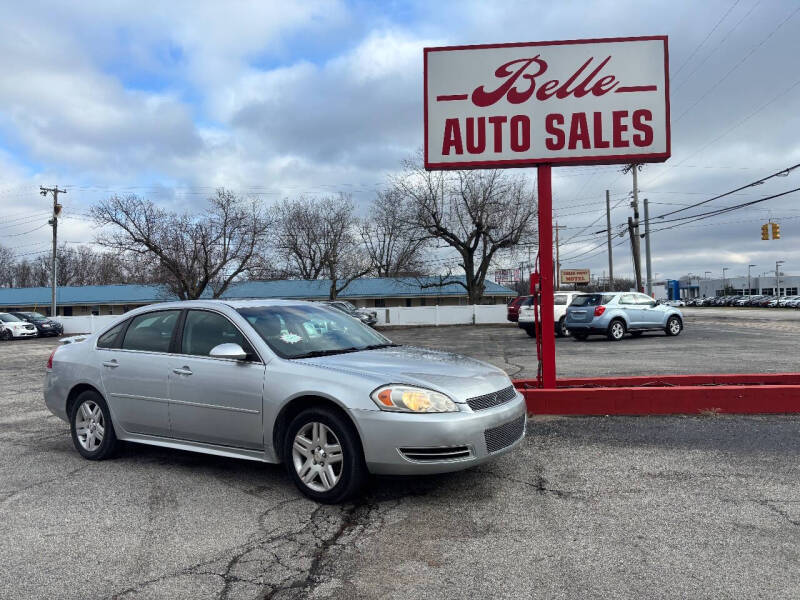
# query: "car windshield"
[592,299]
[35,316]
[306,331]
[7,318]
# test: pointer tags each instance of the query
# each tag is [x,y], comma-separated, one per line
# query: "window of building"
[766,291]
[791,291]
[151,332]
[422,301]
[408,302]
[380,303]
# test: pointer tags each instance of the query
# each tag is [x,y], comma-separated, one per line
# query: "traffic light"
[765,232]
[776,231]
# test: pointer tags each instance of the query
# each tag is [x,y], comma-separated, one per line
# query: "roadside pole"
[548,335]
[648,264]
[53,222]
[608,234]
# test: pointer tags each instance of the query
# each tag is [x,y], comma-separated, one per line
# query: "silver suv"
[614,314]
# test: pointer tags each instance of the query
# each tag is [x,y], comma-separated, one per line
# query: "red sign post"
[600,101]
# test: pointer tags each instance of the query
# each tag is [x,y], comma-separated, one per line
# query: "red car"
[513,308]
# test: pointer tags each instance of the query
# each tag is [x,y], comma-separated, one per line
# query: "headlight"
[403,398]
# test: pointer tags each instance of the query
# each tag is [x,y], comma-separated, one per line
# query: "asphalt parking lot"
[620,507]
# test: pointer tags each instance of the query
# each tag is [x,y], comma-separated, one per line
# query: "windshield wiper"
[316,353]
[377,346]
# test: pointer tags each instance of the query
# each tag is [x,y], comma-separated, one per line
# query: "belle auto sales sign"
[602,101]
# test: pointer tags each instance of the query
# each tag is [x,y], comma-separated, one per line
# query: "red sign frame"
[555,161]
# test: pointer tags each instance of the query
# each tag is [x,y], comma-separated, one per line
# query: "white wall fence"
[415,315]
[475,314]
[85,324]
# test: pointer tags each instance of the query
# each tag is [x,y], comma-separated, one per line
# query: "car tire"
[309,462]
[91,427]
[531,331]
[5,335]
[674,326]
[561,328]
[616,330]
[580,337]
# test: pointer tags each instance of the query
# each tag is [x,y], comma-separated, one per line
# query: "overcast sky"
[170,100]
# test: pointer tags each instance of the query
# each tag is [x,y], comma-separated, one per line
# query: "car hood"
[457,376]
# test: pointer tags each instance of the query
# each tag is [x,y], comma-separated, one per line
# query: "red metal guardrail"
[739,393]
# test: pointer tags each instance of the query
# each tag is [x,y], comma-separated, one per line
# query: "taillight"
[50,360]
[599,310]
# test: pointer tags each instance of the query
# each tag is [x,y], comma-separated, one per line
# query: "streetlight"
[778,263]
[749,289]
[724,287]
[708,273]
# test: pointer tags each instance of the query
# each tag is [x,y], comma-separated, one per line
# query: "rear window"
[592,299]
[560,299]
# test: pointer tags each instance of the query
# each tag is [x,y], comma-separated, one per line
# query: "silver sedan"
[282,381]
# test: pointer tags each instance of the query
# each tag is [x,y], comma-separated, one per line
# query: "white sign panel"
[575,276]
[600,101]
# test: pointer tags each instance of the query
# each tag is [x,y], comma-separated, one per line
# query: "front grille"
[493,399]
[436,454]
[504,435]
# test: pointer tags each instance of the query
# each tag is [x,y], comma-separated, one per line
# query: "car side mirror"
[229,351]
[653,303]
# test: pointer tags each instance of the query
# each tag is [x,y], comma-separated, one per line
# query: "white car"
[676,303]
[14,327]
[560,302]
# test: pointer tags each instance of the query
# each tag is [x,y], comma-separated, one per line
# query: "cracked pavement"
[617,507]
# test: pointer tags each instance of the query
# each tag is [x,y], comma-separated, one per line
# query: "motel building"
[364,293]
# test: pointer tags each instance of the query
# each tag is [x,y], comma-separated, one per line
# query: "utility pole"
[749,286]
[778,263]
[608,235]
[724,286]
[558,260]
[648,263]
[633,229]
[54,223]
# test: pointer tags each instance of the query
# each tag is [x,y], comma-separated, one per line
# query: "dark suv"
[44,327]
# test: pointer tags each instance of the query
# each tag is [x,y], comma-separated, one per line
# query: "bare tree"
[477,213]
[390,238]
[318,237]
[191,253]
[7,263]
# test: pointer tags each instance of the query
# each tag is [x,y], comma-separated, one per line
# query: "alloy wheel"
[674,326]
[90,425]
[617,330]
[317,456]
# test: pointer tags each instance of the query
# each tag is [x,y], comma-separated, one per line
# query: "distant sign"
[574,275]
[602,101]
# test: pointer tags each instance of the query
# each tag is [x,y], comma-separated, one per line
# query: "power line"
[781,173]
[737,65]
[705,39]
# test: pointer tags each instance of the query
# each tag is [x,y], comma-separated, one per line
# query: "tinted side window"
[559,300]
[151,332]
[204,330]
[109,338]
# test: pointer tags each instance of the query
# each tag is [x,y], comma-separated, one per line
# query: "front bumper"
[383,434]
[24,333]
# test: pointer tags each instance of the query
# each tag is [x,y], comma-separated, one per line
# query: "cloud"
[280,99]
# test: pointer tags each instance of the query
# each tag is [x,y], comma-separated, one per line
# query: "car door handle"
[111,363]
[182,371]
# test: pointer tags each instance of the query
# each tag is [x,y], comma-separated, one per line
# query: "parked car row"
[761,301]
[368,317]
[612,314]
[16,325]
